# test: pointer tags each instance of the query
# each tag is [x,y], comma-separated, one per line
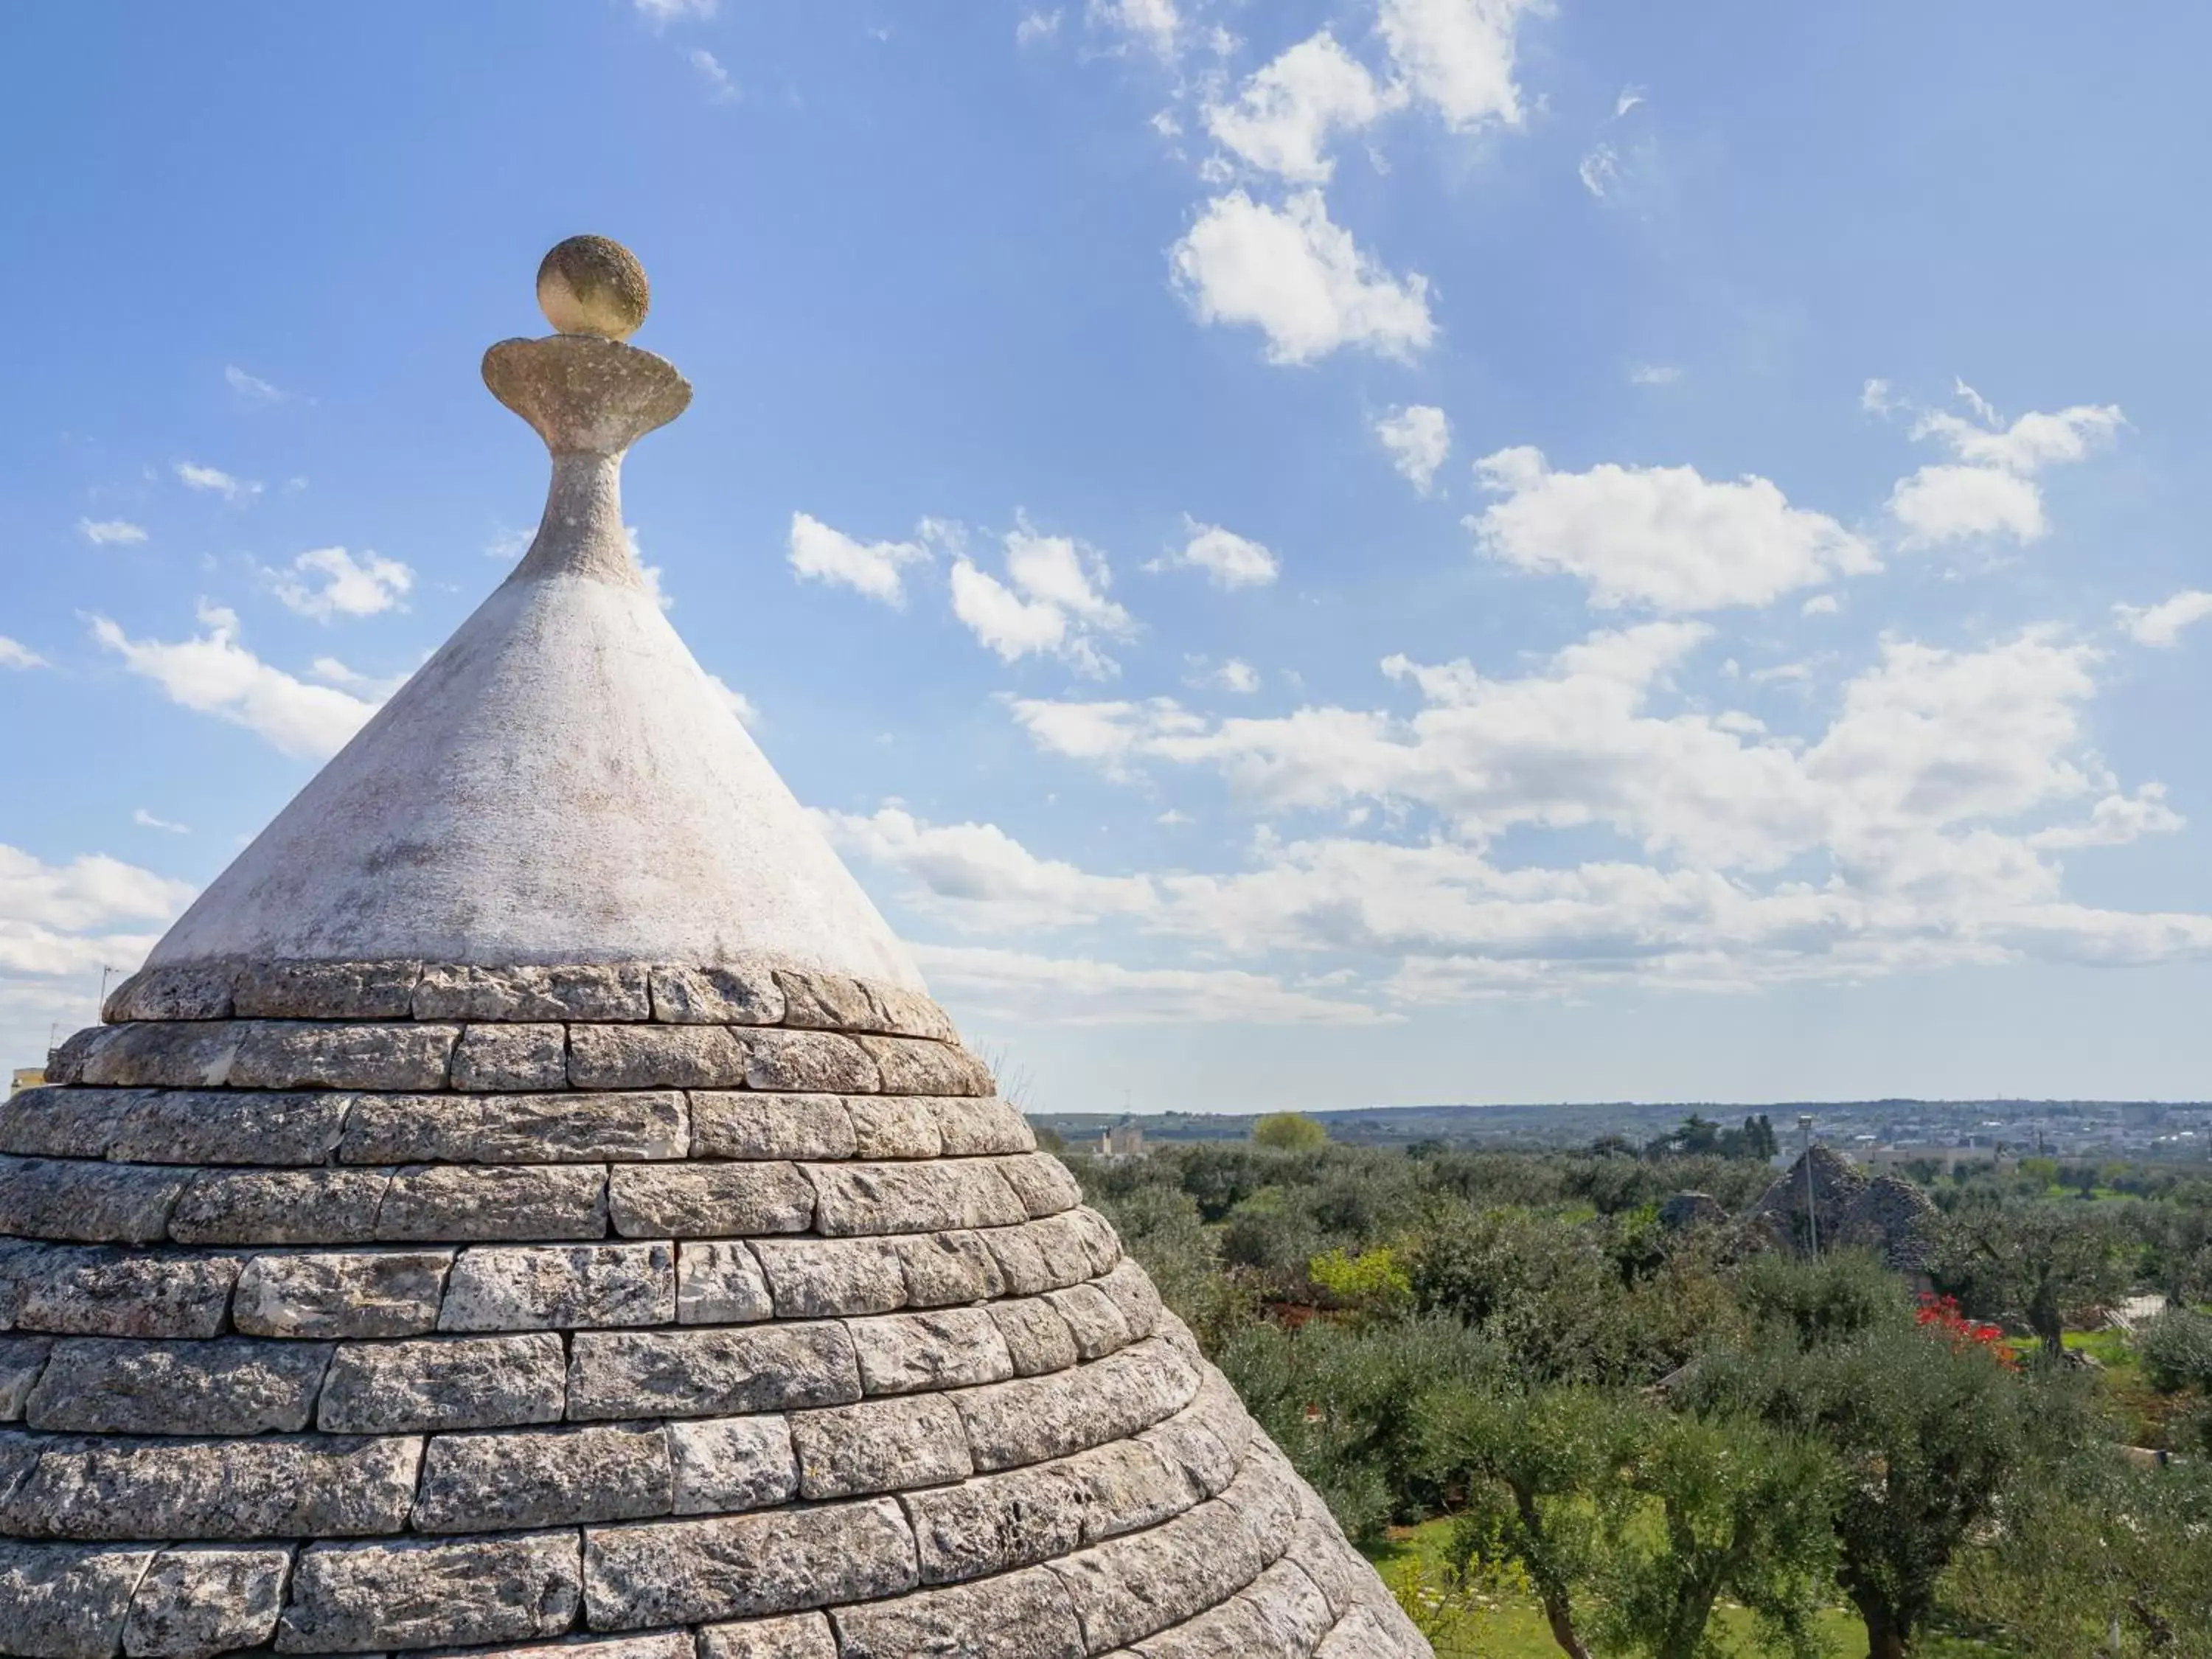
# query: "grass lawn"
[1513,1628]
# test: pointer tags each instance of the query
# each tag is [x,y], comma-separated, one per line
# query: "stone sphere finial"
[593,285]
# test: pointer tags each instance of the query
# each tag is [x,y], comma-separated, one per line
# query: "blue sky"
[1314,555]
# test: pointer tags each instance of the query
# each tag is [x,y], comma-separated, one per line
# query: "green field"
[1471,1625]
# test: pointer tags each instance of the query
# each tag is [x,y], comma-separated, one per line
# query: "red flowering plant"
[1939,1315]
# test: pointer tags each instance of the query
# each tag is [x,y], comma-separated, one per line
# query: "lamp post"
[1811,1216]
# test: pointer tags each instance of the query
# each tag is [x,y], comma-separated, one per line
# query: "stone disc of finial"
[593,285]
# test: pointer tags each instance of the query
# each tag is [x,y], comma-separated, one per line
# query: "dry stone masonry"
[417,1259]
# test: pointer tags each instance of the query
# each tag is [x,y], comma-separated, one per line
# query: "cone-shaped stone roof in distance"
[529,1208]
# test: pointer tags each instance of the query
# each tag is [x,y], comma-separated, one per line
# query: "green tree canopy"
[1289,1131]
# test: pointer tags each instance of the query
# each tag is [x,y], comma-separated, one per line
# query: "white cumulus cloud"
[872,568]
[1152,24]
[1989,489]
[1284,115]
[1418,438]
[1228,559]
[328,581]
[1053,601]
[2160,624]
[213,674]
[1458,56]
[1661,536]
[1299,278]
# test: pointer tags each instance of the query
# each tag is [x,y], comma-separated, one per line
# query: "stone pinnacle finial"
[593,285]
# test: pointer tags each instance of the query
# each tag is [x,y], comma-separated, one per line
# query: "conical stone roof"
[531,1203]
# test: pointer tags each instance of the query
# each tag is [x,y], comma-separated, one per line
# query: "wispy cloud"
[252,387]
[15,654]
[193,475]
[111,533]
[720,86]
[146,820]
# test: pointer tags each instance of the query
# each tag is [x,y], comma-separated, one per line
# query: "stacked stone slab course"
[646,1310]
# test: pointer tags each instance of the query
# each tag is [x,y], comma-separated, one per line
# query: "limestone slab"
[914,1065]
[894,1126]
[801,1636]
[530,1128]
[977,1126]
[217,1126]
[464,1203]
[671,1572]
[187,1055]
[197,990]
[1022,1615]
[60,1602]
[710,1372]
[1091,1314]
[233,1385]
[1038,1338]
[52,1122]
[735,995]
[420,1593]
[280,1206]
[510,1477]
[725,1465]
[444,1382]
[341,1293]
[1032,1419]
[861,1199]
[881,1446]
[1042,1181]
[324,990]
[197,1603]
[22,1360]
[735,1125]
[655,1057]
[952,1348]
[309,1054]
[492,1058]
[535,1287]
[829,1002]
[709,1200]
[1129,1588]
[825,1278]
[720,1283]
[809,1062]
[583,992]
[86,1203]
[948,1268]
[314,1486]
[104,1292]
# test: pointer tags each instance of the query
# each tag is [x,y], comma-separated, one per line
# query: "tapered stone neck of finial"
[581,532]
[590,399]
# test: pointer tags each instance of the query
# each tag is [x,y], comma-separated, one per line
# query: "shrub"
[2176,1348]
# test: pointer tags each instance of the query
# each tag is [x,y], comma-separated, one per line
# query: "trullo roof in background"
[530,1205]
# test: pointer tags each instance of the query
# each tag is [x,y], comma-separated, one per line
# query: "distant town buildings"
[1124,1139]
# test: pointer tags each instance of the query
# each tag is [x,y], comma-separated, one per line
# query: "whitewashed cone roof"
[530,1205]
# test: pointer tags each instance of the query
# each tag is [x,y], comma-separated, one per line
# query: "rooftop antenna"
[1812,1217]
